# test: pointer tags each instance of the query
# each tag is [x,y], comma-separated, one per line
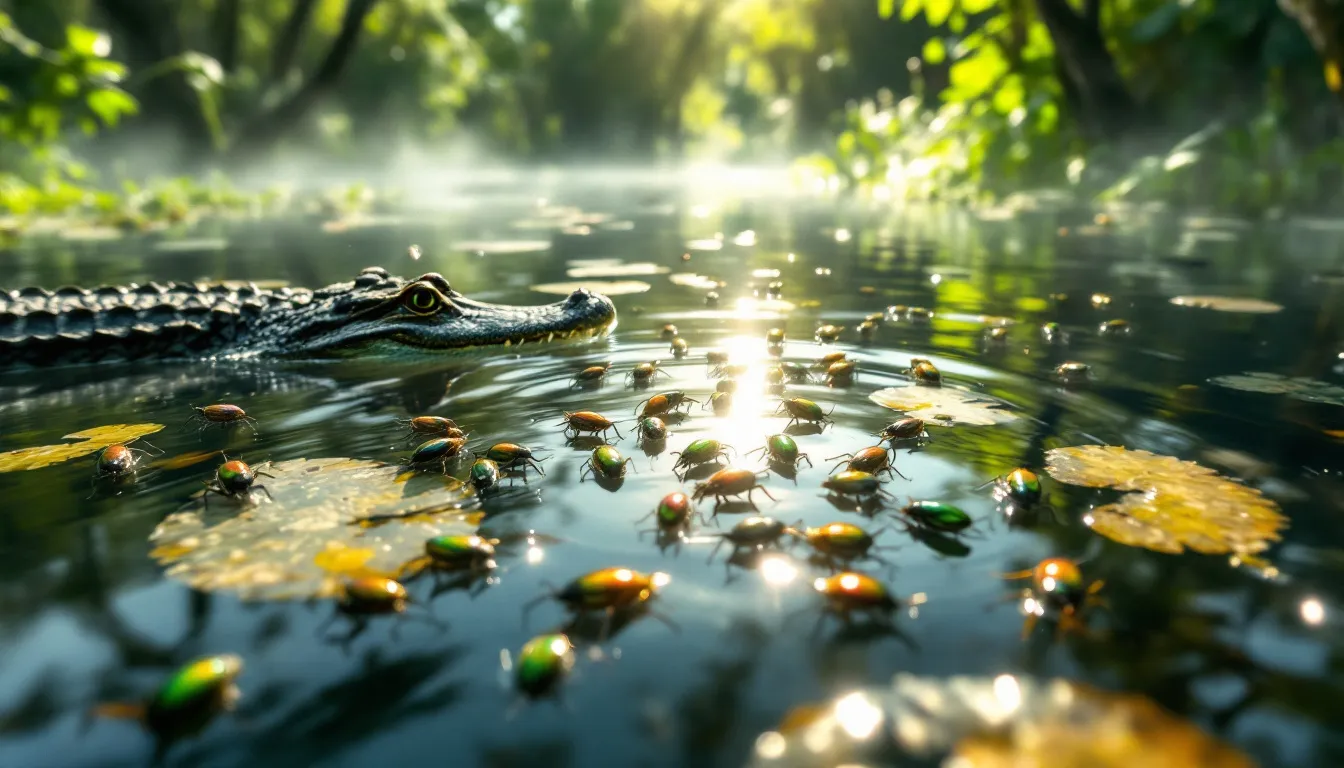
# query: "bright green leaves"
[110,104]
[975,75]
[934,51]
[937,11]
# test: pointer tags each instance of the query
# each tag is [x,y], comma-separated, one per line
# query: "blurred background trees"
[1226,103]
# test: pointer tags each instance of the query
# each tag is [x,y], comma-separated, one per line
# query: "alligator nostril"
[378,271]
[580,295]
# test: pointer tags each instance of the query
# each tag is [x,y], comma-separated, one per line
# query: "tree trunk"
[225,24]
[150,27]
[287,44]
[268,127]
[1323,21]
[1108,110]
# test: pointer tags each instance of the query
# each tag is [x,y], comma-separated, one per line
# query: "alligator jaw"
[471,325]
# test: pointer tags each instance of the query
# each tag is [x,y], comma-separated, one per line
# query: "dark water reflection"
[86,616]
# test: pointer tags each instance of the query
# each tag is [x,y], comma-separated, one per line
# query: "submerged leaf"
[944,406]
[1001,722]
[329,519]
[92,440]
[609,287]
[614,269]
[1174,505]
[1228,304]
[1298,388]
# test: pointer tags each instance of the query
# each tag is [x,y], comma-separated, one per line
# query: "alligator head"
[384,316]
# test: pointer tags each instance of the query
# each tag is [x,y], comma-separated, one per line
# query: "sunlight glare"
[1312,611]
[858,716]
[778,571]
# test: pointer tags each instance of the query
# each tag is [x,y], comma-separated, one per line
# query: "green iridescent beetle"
[849,592]
[609,590]
[873,460]
[652,429]
[936,516]
[755,532]
[842,542]
[719,402]
[855,483]
[187,701]
[235,479]
[1020,485]
[543,662]
[673,511]
[605,463]
[436,453]
[512,456]
[700,451]
[454,553]
[484,474]
[800,409]
[783,450]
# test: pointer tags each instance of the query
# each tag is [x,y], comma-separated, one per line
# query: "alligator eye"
[422,301]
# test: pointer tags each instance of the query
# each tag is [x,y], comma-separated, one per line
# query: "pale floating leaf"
[706,244]
[1298,388]
[983,722]
[494,247]
[329,519]
[91,441]
[1173,505]
[944,406]
[692,280]
[1228,304]
[608,287]
[615,270]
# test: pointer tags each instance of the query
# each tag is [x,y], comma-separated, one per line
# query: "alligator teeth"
[521,340]
[508,342]
[549,337]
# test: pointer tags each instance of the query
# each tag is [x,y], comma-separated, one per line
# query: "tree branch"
[287,44]
[272,124]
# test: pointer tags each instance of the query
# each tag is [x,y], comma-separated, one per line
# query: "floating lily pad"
[328,519]
[1174,504]
[981,722]
[944,406]
[609,287]
[1228,304]
[616,269]
[91,440]
[1297,388]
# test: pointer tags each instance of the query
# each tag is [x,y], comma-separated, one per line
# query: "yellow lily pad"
[1228,304]
[945,406]
[91,441]
[608,287]
[982,722]
[1173,505]
[1298,388]
[326,520]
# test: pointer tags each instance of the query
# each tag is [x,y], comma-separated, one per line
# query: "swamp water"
[1246,652]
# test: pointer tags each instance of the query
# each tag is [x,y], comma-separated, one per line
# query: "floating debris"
[945,406]
[330,520]
[1298,388]
[615,269]
[691,280]
[983,722]
[1228,304]
[91,441]
[1175,504]
[609,287]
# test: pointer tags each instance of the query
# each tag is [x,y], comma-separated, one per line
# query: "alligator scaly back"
[373,315]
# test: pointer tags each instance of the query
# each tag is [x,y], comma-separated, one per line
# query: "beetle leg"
[802,457]
[263,489]
[715,551]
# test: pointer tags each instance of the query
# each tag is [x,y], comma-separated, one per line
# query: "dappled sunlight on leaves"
[1299,388]
[999,722]
[329,519]
[945,406]
[1174,505]
[92,440]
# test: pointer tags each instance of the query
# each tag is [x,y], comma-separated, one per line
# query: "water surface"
[86,615]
